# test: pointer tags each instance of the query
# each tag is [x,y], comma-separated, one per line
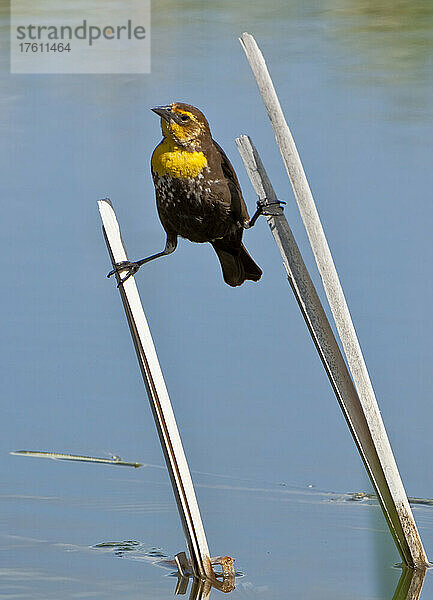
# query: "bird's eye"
[184,118]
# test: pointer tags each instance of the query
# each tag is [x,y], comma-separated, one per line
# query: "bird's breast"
[171,160]
[185,194]
[192,208]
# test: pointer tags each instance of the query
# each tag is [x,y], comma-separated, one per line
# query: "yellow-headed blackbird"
[198,196]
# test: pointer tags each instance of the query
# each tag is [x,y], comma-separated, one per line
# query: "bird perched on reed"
[198,196]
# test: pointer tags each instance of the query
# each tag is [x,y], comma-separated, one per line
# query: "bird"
[198,196]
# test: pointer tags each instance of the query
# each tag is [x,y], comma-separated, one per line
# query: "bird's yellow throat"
[173,160]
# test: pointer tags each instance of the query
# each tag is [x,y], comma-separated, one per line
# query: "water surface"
[252,401]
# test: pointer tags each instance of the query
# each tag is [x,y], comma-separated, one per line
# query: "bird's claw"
[262,205]
[126,265]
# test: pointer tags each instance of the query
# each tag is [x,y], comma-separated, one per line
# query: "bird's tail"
[237,265]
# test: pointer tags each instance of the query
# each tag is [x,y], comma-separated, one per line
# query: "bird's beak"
[163,111]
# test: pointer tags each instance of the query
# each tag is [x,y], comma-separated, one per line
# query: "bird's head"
[183,123]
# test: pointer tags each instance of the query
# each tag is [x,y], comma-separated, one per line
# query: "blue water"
[253,404]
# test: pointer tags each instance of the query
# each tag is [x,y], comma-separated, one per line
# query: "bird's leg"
[132,266]
[261,210]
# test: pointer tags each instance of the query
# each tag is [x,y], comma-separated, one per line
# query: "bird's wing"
[238,206]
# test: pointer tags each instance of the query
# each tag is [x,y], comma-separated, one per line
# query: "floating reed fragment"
[114,460]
